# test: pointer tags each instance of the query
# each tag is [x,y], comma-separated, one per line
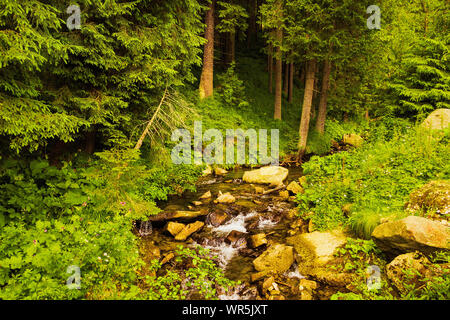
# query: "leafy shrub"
[231,90]
[195,276]
[376,179]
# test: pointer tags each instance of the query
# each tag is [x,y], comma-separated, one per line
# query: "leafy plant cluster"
[373,180]
[358,256]
[195,275]
[52,218]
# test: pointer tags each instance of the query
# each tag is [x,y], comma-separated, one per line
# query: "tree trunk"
[232,47]
[320,123]
[306,109]
[251,35]
[206,79]
[270,67]
[90,140]
[291,82]
[286,79]
[302,74]
[278,65]
[278,77]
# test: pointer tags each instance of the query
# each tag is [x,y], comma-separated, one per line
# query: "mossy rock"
[434,196]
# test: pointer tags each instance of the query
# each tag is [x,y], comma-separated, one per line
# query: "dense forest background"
[86,117]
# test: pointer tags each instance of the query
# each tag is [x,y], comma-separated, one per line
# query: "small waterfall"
[145,228]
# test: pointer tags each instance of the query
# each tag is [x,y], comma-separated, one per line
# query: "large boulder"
[315,252]
[410,270]
[410,234]
[216,218]
[277,258]
[434,196]
[317,246]
[439,119]
[273,175]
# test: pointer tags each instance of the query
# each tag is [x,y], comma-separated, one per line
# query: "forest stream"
[228,239]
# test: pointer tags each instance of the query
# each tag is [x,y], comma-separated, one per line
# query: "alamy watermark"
[374,21]
[74,21]
[74,281]
[373,277]
[213,153]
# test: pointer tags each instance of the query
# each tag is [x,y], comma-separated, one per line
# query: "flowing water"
[251,214]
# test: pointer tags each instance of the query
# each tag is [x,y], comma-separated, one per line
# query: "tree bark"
[206,79]
[306,109]
[270,67]
[286,79]
[278,66]
[278,77]
[90,140]
[291,81]
[302,74]
[252,28]
[232,47]
[320,122]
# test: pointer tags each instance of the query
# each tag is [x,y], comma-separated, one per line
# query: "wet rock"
[353,139]
[216,218]
[439,119]
[174,228]
[308,284]
[302,181]
[225,198]
[307,288]
[315,252]
[206,195]
[292,213]
[259,275]
[400,275]
[220,171]
[294,187]
[284,194]
[257,240]
[273,175]
[267,284]
[259,190]
[188,230]
[278,257]
[410,234]
[318,246]
[236,239]
[434,196]
[207,171]
[197,203]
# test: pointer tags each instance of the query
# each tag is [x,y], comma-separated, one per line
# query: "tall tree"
[207,76]
[233,17]
[291,82]
[321,115]
[306,109]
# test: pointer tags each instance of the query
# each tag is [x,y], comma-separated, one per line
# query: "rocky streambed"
[248,220]
[250,226]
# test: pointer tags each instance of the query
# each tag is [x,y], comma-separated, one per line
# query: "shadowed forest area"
[106,108]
